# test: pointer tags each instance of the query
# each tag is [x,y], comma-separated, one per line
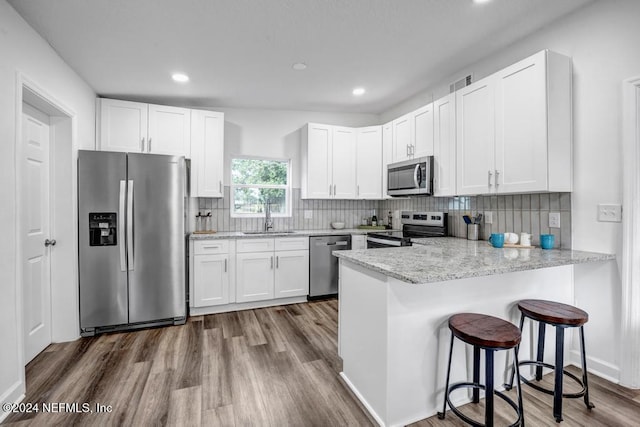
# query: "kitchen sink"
[269,232]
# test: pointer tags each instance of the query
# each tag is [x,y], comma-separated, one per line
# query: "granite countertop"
[271,234]
[448,258]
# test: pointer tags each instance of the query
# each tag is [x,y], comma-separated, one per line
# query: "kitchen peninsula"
[394,306]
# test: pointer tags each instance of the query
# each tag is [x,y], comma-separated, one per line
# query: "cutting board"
[371,227]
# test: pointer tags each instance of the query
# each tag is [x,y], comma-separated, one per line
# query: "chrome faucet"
[268,221]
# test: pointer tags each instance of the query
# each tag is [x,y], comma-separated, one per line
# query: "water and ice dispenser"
[103,229]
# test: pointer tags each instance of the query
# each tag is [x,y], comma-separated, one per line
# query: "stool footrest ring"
[546,390]
[470,421]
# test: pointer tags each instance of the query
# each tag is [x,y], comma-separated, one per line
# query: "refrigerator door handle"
[130,223]
[121,214]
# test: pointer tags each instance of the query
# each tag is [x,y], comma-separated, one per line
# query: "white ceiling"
[239,53]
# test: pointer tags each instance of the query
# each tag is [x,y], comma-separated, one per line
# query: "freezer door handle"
[121,214]
[130,223]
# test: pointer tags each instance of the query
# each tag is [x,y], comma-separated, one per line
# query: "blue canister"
[497,240]
[547,241]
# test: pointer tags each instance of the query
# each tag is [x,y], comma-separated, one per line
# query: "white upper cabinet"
[444,146]
[422,128]
[328,159]
[122,125]
[343,161]
[369,163]
[475,137]
[514,129]
[207,153]
[387,155]
[143,128]
[402,142]
[169,130]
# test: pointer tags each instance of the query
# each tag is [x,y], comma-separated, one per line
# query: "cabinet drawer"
[292,243]
[206,247]
[254,245]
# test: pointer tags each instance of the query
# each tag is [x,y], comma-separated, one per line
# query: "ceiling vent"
[463,82]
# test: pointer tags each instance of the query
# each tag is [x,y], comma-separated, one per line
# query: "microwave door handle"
[417,178]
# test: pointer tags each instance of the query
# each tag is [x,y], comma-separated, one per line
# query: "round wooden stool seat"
[554,313]
[484,331]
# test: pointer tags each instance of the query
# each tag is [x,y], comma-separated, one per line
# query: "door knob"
[48,242]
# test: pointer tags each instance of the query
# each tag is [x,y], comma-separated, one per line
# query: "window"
[254,182]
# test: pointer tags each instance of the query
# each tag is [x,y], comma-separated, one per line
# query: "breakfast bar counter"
[394,304]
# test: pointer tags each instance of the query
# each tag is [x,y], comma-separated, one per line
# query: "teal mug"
[547,241]
[497,240]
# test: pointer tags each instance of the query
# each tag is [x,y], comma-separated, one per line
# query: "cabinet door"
[169,130]
[402,143]
[292,273]
[444,147]
[211,280]
[369,163]
[521,126]
[344,161]
[254,280]
[475,137]
[207,148]
[387,155]
[122,126]
[422,127]
[319,183]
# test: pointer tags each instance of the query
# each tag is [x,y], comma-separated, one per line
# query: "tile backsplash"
[514,213]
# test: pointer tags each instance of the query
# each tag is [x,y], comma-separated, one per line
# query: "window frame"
[286,188]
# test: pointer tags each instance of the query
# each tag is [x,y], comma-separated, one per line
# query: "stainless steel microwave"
[412,177]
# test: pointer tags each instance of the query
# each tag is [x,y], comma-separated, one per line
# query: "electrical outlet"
[554,219]
[488,217]
[308,214]
[609,213]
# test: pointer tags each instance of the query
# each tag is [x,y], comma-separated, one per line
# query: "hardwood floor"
[267,367]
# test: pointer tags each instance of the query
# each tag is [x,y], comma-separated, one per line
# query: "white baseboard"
[199,311]
[597,367]
[362,400]
[14,394]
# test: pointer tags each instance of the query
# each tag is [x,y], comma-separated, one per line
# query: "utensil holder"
[473,231]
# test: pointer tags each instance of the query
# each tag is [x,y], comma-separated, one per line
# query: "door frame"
[630,292]
[62,154]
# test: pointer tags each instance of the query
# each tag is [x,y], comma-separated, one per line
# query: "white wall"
[276,133]
[602,40]
[24,51]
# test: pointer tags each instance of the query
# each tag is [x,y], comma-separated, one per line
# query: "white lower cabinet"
[210,277]
[272,268]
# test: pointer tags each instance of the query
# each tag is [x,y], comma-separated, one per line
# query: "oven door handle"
[385,242]
[417,176]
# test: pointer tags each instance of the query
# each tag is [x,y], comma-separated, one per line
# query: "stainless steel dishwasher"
[323,271]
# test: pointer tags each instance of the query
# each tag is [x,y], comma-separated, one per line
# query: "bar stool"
[489,334]
[561,316]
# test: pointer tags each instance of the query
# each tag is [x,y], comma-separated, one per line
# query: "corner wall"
[24,51]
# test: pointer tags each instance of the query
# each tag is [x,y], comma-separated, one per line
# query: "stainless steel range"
[414,224]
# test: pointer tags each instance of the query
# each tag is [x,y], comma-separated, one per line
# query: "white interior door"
[35,222]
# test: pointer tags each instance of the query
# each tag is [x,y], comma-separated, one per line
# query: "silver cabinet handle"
[407,150]
[272,263]
[149,146]
[121,226]
[489,177]
[48,242]
[211,247]
[497,178]
[334,190]
[142,145]
[358,191]
[130,223]
[225,265]
[220,187]
[277,262]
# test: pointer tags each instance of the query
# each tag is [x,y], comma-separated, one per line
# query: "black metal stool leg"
[509,385]
[584,371]
[476,374]
[540,358]
[446,387]
[518,387]
[488,397]
[557,391]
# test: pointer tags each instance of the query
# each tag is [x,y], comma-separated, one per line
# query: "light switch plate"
[554,219]
[308,214]
[609,213]
[488,217]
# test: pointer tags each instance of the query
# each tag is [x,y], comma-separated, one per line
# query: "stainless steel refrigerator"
[131,232]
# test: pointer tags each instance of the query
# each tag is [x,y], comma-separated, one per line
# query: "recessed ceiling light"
[299,66]
[180,77]
[481,1]
[358,91]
